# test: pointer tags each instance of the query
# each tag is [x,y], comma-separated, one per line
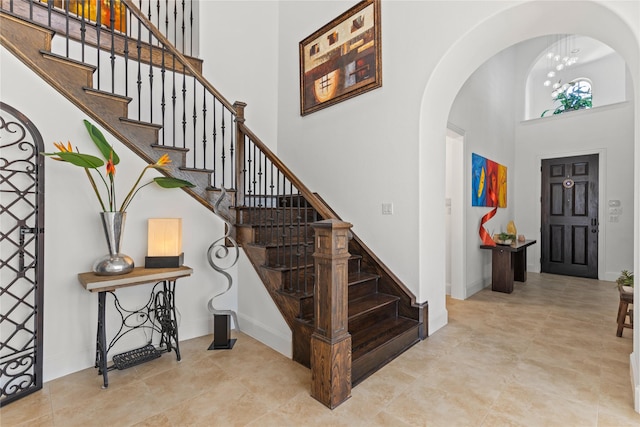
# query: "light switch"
[387,209]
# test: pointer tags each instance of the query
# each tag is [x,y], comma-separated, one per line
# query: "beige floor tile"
[545,355]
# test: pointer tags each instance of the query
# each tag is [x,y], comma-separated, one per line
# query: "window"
[575,95]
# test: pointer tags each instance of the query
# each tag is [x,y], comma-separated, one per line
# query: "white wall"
[370,141]
[484,109]
[607,131]
[239,45]
[74,238]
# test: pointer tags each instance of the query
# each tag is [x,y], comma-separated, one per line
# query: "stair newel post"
[331,341]
[240,154]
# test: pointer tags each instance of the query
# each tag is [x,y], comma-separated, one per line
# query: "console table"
[508,263]
[157,315]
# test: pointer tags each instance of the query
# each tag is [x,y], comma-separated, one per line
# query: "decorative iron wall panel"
[21,255]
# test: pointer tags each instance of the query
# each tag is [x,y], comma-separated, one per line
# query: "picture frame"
[342,59]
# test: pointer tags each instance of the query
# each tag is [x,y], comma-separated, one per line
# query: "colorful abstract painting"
[488,182]
[89,9]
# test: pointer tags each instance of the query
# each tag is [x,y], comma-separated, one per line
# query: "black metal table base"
[157,315]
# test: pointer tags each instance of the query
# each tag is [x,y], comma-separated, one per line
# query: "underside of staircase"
[383,317]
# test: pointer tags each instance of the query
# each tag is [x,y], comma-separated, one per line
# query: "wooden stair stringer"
[288,307]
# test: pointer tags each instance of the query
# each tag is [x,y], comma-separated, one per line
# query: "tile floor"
[545,355]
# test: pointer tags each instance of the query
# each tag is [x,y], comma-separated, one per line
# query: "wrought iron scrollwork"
[218,252]
[22,247]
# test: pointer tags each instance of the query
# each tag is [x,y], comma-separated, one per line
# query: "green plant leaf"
[166,182]
[82,160]
[101,142]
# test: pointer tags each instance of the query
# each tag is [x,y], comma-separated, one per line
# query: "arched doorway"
[480,43]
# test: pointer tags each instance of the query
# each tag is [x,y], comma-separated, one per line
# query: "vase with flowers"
[112,216]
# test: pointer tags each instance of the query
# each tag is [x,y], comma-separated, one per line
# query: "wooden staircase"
[275,231]
[379,330]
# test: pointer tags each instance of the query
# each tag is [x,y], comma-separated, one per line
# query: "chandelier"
[560,56]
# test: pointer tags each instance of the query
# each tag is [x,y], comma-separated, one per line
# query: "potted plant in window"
[625,281]
[574,97]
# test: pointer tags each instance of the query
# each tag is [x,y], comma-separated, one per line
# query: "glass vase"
[115,263]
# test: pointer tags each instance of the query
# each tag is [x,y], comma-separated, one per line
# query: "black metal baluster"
[249,192]
[244,171]
[290,239]
[66,13]
[158,14]
[98,34]
[223,156]
[166,18]
[183,27]
[175,23]
[267,203]
[277,210]
[174,101]
[261,201]
[126,53]
[83,30]
[163,100]
[204,129]
[150,70]
[139,80]
[195,124]
[184,108]
[273,210]
[215,142]
[191,27]
[298,254]
[306,246]
[49,9]
[232,163]
[253,178]
[112,23]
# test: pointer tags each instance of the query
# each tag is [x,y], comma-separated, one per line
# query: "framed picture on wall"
[342,59]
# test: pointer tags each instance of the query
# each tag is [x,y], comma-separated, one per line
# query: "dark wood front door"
[569,234]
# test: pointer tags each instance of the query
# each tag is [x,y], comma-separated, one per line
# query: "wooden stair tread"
[284,268]
[365,341]
[357,277]
[361,306]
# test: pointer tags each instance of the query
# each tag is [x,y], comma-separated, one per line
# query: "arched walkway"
[510,26]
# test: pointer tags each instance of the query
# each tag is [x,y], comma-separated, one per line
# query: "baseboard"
[437,321]
[610,276]
[635,375]
[476,287]
[272,338]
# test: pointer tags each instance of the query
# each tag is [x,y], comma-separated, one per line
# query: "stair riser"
[372,361]
[362,289]
[282,235]
[294,280]
[276,216]
[354,264]
[289,256]
[274,201]
[371,317]
[306,308]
